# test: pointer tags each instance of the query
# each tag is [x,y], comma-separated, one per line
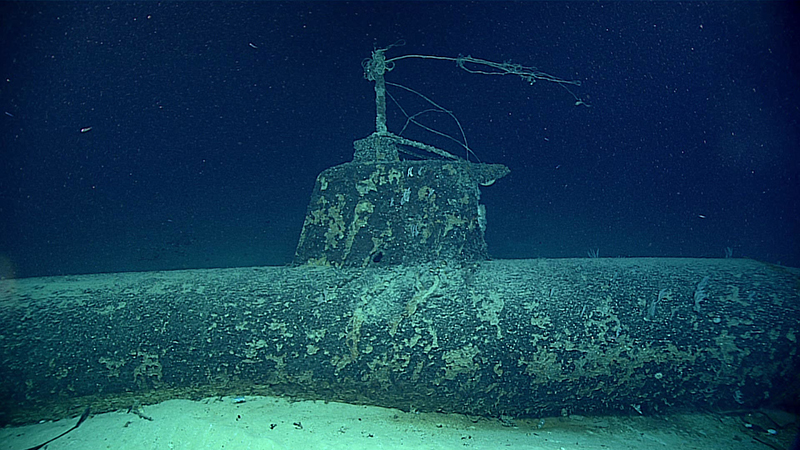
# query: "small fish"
[86,129]
[252,45]
[9,114]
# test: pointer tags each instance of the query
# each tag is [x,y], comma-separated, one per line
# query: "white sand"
[269,423]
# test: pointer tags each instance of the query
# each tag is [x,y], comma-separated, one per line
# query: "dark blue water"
[160,136]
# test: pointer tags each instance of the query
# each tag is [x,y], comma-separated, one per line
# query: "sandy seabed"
[278,423]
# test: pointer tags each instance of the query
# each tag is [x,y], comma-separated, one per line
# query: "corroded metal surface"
[526,337]
[403,212]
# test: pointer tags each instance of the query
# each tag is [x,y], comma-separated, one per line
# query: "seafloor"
[274,423]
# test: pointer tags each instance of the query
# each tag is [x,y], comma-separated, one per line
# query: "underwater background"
[153,136]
